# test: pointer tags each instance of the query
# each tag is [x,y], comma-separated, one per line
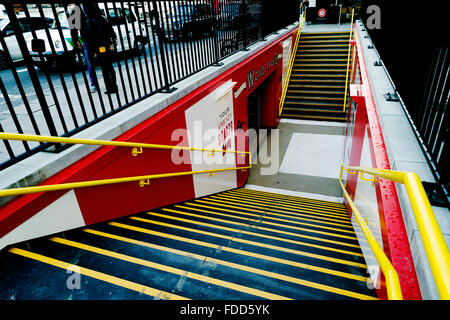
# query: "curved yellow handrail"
[348,61]
[291,64]
[392,282]
[434,243]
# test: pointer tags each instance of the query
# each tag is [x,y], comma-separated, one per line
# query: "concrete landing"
[310,155]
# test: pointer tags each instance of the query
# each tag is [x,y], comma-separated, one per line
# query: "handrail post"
[166,88]
[393,287]
[348,61]
[291,63]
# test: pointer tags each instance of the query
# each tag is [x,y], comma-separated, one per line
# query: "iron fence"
[66,65]
[433,118]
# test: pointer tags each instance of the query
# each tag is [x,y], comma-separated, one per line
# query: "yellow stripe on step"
[99,276]
[169,269]
[248,269]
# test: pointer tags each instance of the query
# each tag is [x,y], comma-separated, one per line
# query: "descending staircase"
[238,244]
[317,84]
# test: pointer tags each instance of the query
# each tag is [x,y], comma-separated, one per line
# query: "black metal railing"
[433,118]
[63,69]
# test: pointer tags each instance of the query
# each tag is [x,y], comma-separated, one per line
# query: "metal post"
[166,88]
[214,16]
[244,9]
[30,67]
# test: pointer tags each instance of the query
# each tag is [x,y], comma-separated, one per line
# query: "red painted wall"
[107,202]
[395,240]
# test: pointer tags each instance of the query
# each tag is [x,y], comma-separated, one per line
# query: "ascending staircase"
[317,84]
[238,244]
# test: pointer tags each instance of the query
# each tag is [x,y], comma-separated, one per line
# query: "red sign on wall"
[322,13]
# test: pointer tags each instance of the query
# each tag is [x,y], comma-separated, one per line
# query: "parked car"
[231,16]
[35,23]
[188,21]
[131,37]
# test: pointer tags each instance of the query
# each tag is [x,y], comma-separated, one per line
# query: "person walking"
[100,39]
[79,44]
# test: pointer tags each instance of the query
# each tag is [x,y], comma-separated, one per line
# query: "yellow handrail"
[348,60]
[434,243]
[143,180]
[62,140]
[392,282]
[291,64]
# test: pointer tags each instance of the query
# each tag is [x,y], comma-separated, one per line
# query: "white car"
[36,23]
[125,25]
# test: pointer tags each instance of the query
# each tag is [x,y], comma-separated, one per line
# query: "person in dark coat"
[100,40]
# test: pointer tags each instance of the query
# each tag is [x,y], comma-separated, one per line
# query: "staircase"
[317,84]
[238,244]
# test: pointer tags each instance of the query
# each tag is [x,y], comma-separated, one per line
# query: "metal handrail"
[137,149]
[434,243]
[348,60]
[62,140]
[291,64]
[143,181]
[392,281]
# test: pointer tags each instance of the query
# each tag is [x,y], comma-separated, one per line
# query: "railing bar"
[428,103]
[135,45]
[64,140]
[438,103]
[348,61]
[12,112]
[189,46]
[66,93]
[434,243]
[154,16]
[130,46]
[74,80]
[46,72]
[83,72]
[150,57]
[147,69]
[392,281]
[6,142]
[165,47]
[19,85]
[127,69]
[440,132]
[31,71]
[173,45]
[93,183]
[181,43]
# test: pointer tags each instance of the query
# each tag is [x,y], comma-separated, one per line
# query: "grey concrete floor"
[295,180]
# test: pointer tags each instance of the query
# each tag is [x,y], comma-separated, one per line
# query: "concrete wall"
[404,154]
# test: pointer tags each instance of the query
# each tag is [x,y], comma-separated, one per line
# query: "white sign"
[210,124]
